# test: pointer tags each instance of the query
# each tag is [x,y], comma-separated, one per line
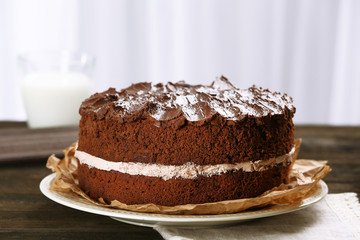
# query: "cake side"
[142,141]
[137,189]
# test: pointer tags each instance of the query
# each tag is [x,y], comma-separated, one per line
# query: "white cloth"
[335,217]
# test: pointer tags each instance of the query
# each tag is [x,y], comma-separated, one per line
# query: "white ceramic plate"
[150,219]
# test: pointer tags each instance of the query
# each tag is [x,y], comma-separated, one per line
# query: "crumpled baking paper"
[304,177]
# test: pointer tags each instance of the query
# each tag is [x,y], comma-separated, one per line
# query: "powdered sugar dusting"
[194,102]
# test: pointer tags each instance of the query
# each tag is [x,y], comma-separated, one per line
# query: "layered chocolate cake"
[174,143]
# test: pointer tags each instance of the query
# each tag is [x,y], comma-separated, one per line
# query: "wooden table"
[25,213]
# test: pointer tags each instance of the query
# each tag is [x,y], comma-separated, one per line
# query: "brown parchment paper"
[303,182]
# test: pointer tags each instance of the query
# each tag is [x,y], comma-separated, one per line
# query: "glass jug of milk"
[53,87]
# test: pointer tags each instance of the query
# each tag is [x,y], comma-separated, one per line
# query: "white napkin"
[335,217]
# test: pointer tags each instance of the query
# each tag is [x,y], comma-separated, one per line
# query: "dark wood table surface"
[26,214]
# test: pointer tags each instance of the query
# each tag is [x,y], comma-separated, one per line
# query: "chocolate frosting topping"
[180,102]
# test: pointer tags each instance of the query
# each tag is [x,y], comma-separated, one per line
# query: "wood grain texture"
[18,143]
[26,214]
[341,147]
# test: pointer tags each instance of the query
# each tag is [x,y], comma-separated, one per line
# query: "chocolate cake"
[175,143]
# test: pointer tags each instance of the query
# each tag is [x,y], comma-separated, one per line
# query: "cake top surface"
[195,103]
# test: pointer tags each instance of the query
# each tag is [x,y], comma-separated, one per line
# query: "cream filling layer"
[187,171]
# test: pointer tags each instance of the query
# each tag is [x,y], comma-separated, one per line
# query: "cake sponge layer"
[137,189]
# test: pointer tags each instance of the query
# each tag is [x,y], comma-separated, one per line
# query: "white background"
[309,49]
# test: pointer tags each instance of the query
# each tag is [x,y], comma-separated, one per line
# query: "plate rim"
[156,217]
